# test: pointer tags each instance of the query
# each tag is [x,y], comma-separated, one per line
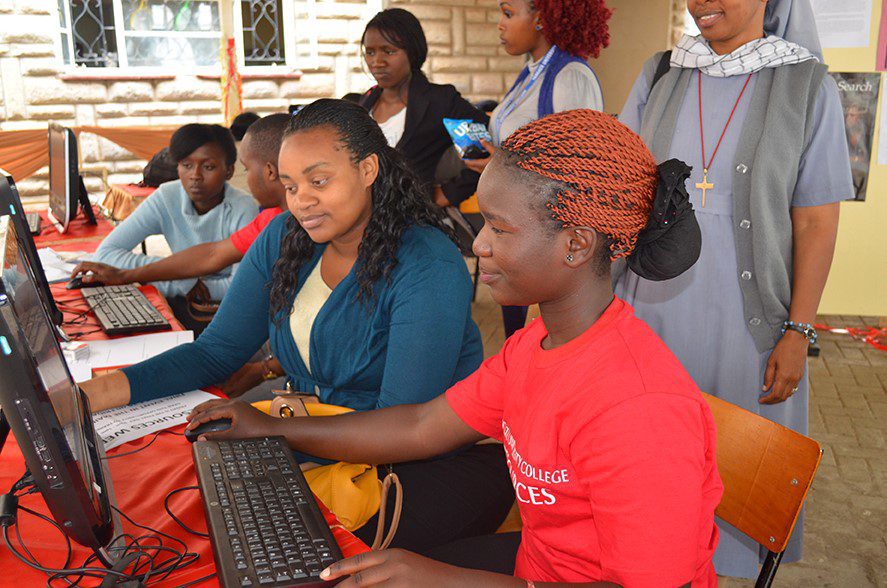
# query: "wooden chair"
[767,471]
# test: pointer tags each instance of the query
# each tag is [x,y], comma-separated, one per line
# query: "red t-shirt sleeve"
[479,399]
[243,238]
[644,463]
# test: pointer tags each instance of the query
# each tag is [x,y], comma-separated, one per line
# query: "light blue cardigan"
[408,346]
[169,212]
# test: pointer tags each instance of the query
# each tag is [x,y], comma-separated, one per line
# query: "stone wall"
[36,88]
[678,19]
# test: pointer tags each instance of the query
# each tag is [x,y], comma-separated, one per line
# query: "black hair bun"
[670,243]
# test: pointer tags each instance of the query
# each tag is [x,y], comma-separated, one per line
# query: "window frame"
[123,69]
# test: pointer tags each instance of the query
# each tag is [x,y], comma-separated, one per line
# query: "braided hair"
[398,202]
[595,172]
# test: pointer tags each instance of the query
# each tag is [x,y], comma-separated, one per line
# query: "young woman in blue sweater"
[366,303]
[200,207]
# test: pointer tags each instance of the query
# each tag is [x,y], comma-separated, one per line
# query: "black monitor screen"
[11,203]
[62,175]
[39,337]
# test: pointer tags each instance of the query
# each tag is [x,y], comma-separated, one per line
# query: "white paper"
[843,23]
[882,133]
[117,426]
[80,370]
[125,351]
[130,350]
[55,268]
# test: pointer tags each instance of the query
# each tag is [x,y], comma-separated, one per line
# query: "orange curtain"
[24,152]
[143,142]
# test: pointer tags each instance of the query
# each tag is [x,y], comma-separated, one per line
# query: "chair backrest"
[767,470]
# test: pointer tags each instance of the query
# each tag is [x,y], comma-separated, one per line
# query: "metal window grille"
[179,33]
[262,32]
[92,33]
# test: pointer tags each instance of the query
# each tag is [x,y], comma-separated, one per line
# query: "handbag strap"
[383,540]
[198,304]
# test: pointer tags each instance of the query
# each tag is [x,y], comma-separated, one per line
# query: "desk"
[122,199]
[141,481]
[80,235]
[81,324]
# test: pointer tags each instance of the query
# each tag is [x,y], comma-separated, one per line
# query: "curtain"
[24,152]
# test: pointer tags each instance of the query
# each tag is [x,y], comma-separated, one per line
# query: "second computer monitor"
[67,192]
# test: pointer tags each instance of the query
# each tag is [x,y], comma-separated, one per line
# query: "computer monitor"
[11,204]
[67,192]
[48,414]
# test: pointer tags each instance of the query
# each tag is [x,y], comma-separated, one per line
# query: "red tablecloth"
[87,237]
[82,325]
[141,482]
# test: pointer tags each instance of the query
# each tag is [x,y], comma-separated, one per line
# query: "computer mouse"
[77,282]
[208,427]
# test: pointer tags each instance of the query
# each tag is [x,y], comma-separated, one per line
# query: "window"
[262,25]
[184,32]
[171,33]
[87,32]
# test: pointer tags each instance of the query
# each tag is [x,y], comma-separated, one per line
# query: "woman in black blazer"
[395,48]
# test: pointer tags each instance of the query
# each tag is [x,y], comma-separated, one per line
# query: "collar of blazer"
[417,105]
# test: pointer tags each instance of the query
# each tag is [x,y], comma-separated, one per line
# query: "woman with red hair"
[557,37]
[610,445]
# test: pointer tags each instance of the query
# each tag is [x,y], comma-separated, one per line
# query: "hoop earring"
[569,258]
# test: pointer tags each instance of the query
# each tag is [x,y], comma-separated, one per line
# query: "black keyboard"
[33,220]
[265,526]
[123,309]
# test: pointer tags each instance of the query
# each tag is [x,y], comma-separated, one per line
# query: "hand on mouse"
[246,421]
[101,273]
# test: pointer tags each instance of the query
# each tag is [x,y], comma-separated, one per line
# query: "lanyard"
[509,106]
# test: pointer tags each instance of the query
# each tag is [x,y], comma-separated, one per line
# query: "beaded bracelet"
[805,329]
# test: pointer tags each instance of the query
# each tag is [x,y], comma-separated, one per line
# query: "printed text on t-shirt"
[526,493]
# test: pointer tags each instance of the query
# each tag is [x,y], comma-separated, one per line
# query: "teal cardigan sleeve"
[238,330]
[432,339]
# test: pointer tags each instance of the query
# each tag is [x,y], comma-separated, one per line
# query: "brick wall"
[36,88]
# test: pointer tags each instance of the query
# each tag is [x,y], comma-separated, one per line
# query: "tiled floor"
[846,533]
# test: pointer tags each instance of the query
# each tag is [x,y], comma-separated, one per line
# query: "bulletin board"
[857,283]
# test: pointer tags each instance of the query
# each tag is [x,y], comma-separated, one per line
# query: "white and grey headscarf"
[790,37]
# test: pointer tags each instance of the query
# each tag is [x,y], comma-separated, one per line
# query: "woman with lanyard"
[749,105]
[558,37]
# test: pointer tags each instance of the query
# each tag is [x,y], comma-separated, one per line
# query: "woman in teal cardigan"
[381,299]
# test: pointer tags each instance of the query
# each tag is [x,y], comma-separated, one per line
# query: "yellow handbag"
[352,491]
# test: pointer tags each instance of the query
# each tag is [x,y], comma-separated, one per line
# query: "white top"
[575,86]
[306,306]
[393,127]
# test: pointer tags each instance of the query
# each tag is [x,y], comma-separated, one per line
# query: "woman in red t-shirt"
[610,446]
